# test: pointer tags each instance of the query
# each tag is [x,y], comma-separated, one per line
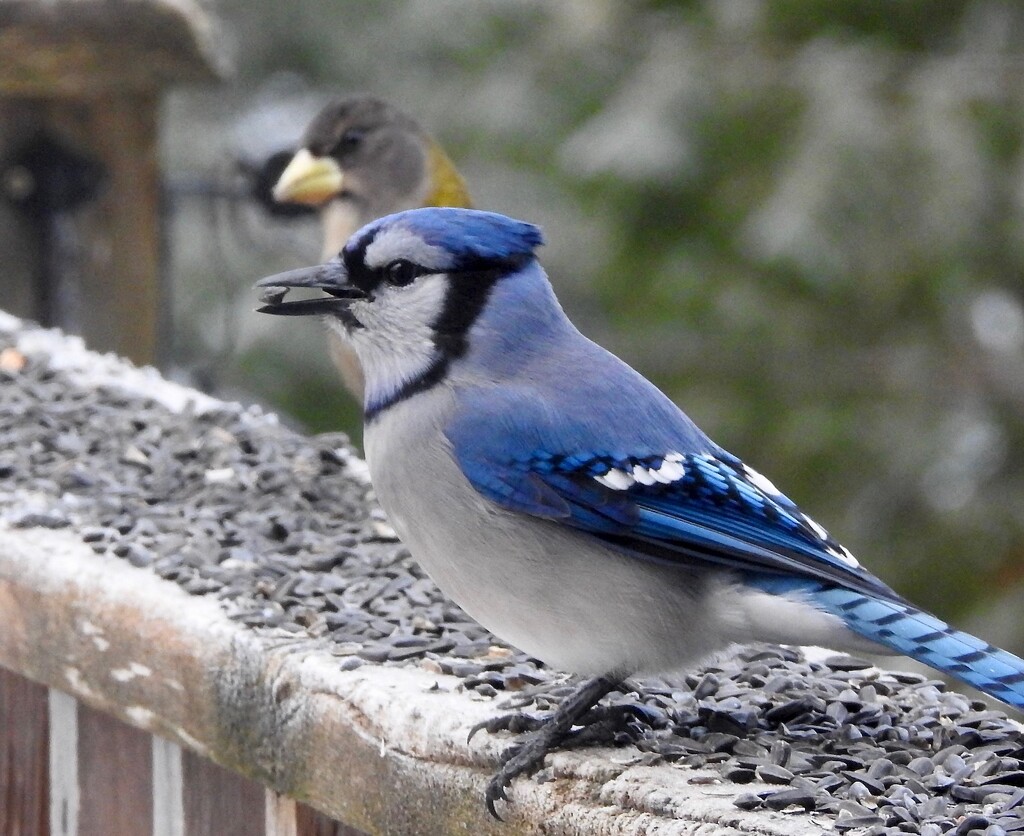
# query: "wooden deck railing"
[164,671]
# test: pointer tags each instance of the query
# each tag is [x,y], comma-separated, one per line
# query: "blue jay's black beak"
[331,278]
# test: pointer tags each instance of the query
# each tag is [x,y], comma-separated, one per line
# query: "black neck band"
[427,379]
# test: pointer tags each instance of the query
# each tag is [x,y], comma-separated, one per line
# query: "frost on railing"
[201,572]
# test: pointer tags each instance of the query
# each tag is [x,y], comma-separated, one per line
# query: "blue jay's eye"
[401,272]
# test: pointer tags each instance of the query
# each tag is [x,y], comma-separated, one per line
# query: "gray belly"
[550,591]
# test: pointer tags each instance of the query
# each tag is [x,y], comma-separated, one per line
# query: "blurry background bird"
[362,158]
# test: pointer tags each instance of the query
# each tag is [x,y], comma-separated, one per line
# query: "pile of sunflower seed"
[228,503]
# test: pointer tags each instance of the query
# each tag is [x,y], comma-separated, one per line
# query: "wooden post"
[219,802]
[114,776]
[85,77]
[24,772]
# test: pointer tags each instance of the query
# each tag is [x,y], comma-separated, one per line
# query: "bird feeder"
[80,88]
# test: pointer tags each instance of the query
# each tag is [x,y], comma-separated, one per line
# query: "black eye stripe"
[467,295]
[470,267]
[359,274]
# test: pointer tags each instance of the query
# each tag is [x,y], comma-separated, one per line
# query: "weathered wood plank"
[24,759]
[219,802]
[114,776]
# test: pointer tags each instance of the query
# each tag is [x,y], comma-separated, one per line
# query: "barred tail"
[924,637]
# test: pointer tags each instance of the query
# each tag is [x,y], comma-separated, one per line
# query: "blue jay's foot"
[546,733]
[625,722]
[620,723]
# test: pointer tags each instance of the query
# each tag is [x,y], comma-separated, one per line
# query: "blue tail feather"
[922,636]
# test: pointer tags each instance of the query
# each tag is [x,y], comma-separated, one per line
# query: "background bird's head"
[362,158]
[406,289]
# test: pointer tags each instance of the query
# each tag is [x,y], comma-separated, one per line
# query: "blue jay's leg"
[544,735]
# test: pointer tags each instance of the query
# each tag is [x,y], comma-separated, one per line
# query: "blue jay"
[562,499]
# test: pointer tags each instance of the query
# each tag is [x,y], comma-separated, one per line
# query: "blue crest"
[468,234]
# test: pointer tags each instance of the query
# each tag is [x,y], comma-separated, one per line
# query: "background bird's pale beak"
[308,179]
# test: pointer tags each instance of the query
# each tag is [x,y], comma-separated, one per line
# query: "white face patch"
[396,342]
[396,242]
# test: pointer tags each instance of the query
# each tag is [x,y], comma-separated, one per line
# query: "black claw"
[495,792]
[476,728]
[515,723]
[604,733]
[621,722]
[546,733]
[637,711]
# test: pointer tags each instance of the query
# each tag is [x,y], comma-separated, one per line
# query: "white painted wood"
[281,815]
[64,789]
[168,789]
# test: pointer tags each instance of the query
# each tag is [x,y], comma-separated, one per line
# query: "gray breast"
[553,592]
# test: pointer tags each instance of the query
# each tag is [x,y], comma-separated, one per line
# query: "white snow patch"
[140,716]
[67,353]
[87,628]
[77,684]
[133,671]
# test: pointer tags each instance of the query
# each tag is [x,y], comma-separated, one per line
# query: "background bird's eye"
[400,273]
[350,140]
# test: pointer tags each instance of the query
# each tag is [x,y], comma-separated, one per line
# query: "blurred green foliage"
[803,218]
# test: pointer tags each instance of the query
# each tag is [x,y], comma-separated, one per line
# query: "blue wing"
[671,499]
[662,491]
